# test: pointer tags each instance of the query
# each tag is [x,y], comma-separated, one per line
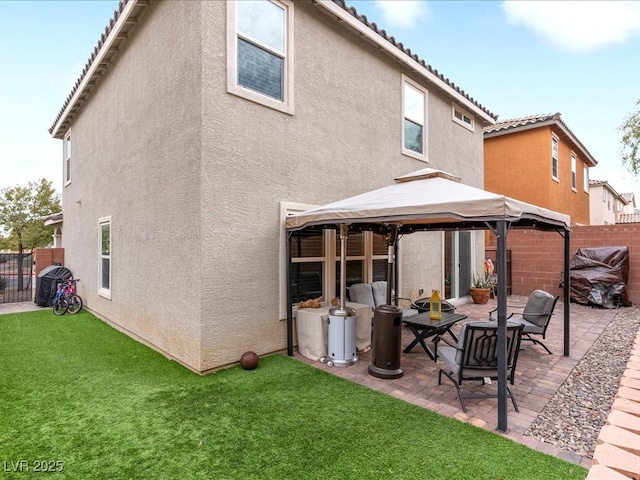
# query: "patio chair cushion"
[539,308]
[528,327]
[379,290]
[374,294]
[362,293]
[380,297]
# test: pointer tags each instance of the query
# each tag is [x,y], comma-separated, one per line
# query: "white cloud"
[405,14]
[577,26]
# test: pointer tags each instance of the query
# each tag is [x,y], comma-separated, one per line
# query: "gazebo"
[431,199]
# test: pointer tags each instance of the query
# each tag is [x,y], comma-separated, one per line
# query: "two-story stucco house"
[629,199]
[606,205]
[538,159]
[194,129]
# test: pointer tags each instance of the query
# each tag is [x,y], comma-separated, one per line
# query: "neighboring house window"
[260,52]
[67,159]
[554,158]
[414,119]
[105,257]
[574,179]
[585,179]
[463,117]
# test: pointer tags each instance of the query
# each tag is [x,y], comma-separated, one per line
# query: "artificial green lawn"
[74,390]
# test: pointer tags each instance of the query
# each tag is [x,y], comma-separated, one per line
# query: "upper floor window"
[260,52]
[585,178]
[67,159]
[414,119]
[554,158]
[463,117]
[574,179]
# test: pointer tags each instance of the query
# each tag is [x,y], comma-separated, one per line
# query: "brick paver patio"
[538,375]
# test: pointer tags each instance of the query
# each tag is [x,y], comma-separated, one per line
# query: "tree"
[21,225]
[631,141]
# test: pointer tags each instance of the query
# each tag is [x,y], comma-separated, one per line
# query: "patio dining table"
[424,327]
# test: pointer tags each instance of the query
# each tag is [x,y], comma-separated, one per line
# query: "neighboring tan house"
[196,127]
[630,202]
[538,160]
[606,204]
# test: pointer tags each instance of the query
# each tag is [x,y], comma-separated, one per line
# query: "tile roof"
[629,218]
[597,182]
[520,122]
[373,26]
[81,90]
[535,121]
[629,197]
[92,72]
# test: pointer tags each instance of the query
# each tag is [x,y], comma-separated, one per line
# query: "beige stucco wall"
[599,212]
[344,139]
[194,177]
[136,158]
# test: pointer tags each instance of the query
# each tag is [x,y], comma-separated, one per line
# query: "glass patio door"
[457,264]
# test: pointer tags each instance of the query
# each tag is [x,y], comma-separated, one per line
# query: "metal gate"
[16,277]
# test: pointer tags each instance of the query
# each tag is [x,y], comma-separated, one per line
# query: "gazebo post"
[567,287]
[289,298]
[501,256]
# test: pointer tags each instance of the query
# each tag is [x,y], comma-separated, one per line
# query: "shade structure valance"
[429,199]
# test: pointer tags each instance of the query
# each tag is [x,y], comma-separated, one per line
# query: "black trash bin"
[387,342]
[46,283]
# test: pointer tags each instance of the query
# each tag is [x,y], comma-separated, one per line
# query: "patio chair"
[535,316]
[375,294]
[475,357]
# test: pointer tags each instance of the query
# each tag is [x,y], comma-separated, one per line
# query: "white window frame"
[105,292]
[405,151]
[555,155]
[574,174]
[66,168]
[585,180]
[286,104]
[462,117]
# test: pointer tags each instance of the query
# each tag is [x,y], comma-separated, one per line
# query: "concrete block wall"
[45,257]
[537,257]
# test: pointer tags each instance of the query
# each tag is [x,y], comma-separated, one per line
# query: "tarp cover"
[46,284]
[599,276]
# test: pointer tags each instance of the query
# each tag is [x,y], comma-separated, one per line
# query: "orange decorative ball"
[249,360]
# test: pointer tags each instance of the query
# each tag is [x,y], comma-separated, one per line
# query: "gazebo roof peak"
[426,173]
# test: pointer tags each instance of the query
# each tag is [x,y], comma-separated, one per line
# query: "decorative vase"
[480,296]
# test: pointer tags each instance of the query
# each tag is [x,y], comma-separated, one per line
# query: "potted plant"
[481,289]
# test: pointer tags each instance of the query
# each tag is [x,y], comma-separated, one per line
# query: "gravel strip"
[572,420]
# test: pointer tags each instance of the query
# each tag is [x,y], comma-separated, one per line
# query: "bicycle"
[66,299]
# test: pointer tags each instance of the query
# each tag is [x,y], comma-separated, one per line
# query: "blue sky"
[516,58]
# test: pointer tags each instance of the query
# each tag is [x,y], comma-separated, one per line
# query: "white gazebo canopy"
[427,197]
[431,199]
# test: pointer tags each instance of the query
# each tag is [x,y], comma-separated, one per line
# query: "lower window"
[105,257]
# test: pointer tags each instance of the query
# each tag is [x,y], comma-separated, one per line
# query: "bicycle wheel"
[60,306]
[75,303]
